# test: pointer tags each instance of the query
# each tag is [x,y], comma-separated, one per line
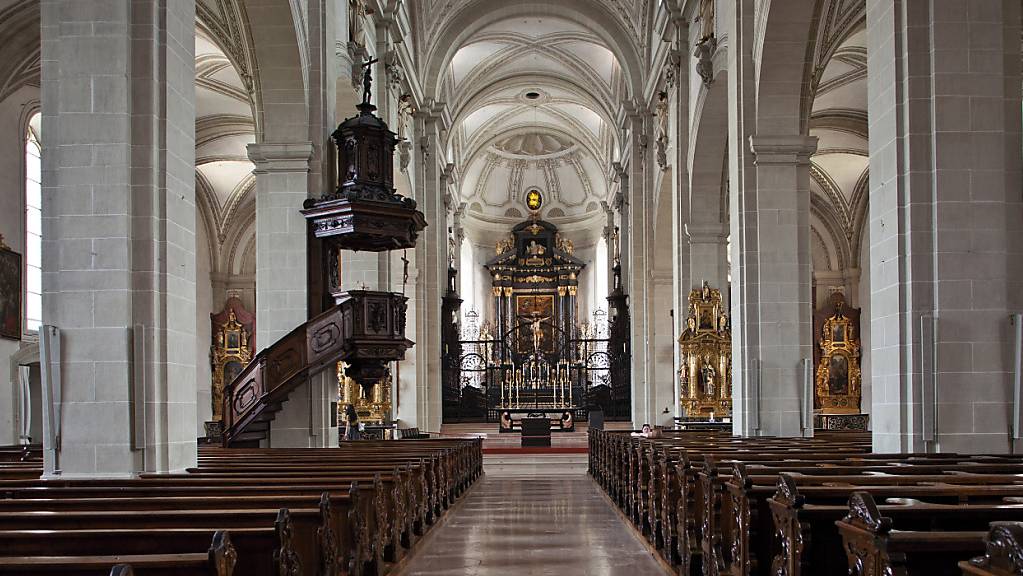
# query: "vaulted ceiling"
[533,98]
[839,170]
[224,126]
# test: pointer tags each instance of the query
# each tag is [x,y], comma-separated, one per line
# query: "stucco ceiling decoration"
[534,144]
[19,35]
[534,101]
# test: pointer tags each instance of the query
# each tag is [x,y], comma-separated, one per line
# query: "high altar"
[535,286]
[705,357]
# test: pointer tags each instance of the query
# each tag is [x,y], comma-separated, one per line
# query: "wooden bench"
[931,539]
[321,530]
[218,560]
[1003,554]
[713,504]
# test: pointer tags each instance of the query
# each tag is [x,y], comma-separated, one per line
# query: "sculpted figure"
[357,22]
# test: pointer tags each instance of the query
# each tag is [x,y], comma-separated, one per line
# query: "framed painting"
[10,294]
[536,323]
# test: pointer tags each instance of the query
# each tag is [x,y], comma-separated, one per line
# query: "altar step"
[525,465]
[492,439]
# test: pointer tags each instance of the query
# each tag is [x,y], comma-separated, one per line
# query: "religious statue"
[707,373]
[661,114]
[564,244]
[504,245]
[535,249]
[703,51]
[616,246]
[706,19]
[405,112]
[357,22]
[452,251]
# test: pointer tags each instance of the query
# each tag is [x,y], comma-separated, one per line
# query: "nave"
[546,524]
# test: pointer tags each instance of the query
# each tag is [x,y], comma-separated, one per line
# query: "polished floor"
[537,524]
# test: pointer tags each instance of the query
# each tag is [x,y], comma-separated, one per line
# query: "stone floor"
[540,524]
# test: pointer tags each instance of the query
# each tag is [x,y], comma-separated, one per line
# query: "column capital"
[782,149]
[280,156]
[706,233]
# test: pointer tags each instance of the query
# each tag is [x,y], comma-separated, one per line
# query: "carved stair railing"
[365,329]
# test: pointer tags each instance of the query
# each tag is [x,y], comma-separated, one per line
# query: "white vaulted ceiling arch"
[223,129]
[533,95]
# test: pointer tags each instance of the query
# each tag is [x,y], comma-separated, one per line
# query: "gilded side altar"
[373,407]
[705,353]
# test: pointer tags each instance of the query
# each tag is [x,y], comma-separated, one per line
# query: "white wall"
[204,306]
[14,112]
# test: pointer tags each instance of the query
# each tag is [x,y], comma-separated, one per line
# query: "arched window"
[466,277]
[600,274]
[33,227]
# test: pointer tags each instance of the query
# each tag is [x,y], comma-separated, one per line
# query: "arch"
[476,15]
[782,57]
[279,79]
[708,149]
[663,224]
[20,37]
[828,224]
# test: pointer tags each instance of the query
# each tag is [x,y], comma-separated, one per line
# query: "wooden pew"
[808,535]
[218,560]
[239,485]
[873,546]
[706,517]
[1003,555]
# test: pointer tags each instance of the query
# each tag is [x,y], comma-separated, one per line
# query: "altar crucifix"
[537,333]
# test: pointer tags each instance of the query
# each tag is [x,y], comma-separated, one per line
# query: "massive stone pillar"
[707,245]
[431,268]
[945,227]
[652,389]
[282,185]
[119,234]
[769,209]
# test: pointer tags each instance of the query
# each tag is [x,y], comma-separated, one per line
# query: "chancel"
[411,287]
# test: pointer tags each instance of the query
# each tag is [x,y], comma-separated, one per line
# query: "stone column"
[652,387]
[945,221]
[282,180]
[708,257]
[776,256]
[282,185]
[119,233]
[431,265]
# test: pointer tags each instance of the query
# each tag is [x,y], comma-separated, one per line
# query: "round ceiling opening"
[533,95]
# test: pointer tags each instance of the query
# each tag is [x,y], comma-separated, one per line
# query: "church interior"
[423,287]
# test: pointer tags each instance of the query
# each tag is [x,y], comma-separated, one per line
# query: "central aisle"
[557,525]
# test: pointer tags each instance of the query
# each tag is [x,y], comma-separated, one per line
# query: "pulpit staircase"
[365,329]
